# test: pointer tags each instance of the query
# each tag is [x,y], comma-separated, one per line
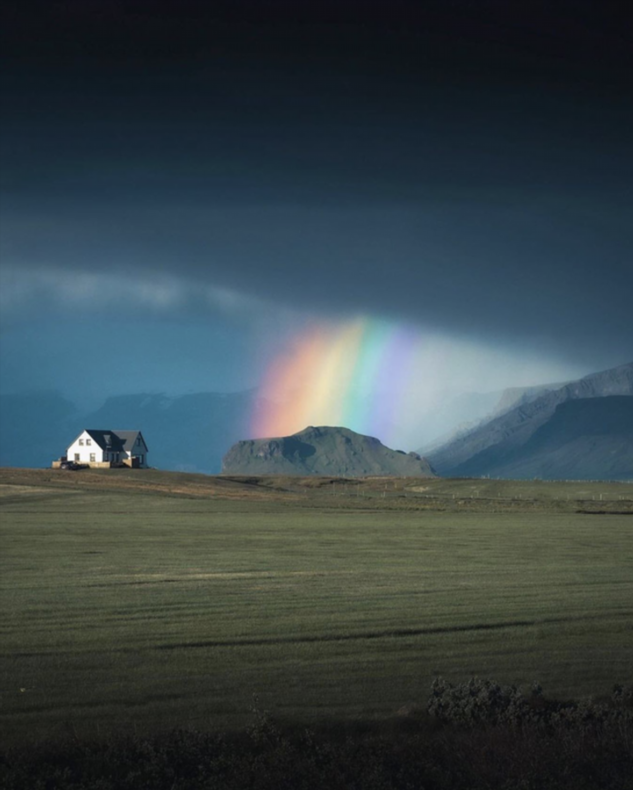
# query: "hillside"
[459,416]
[512,397]
[588,439]
[35,427]
[184,433]
[187,433]
[485,449]
[322,451]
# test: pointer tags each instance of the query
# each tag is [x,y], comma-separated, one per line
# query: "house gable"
[133,441]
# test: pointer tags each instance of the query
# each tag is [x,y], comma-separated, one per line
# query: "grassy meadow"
[137,602]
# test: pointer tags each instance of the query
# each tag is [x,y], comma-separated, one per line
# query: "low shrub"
[485,702]
[480,736]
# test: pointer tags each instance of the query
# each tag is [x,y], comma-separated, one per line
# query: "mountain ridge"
[583,436]
[479,451]
[188,432]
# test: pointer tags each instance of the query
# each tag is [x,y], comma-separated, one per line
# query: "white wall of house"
[85,450]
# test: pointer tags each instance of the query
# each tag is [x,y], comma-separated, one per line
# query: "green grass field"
[173,601]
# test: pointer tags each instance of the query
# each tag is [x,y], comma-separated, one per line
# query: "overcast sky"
[185,185]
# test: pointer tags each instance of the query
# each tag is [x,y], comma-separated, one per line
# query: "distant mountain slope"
[520,396]
[481,450]
[459,416]
[322,451]
[454,415]
[35,427]
[586,439]
[186,433]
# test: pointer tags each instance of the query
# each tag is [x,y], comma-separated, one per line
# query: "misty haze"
[316,395]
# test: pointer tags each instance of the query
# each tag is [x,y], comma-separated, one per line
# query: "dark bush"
[480,736]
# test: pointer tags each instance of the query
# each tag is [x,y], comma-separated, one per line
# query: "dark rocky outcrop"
[323,451]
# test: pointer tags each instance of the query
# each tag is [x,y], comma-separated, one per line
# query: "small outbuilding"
[104,449]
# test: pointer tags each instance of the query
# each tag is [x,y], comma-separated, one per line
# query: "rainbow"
[357,374]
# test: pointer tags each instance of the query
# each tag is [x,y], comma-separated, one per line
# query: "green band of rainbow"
[354,375]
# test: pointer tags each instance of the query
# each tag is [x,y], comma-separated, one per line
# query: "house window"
[106,456]
[81,442]
[92,457]
[76,457]
[88,441]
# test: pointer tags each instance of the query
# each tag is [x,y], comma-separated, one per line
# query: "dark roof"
[115,441]
[107,440]
[128,438]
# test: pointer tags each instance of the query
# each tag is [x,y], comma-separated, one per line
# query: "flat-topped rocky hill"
[323,451]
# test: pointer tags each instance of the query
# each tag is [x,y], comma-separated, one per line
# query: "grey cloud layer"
[472,181]
[521,272]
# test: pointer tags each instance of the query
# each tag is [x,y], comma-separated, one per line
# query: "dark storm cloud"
[467,167]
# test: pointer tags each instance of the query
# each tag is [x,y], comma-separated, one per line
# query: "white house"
[108,448]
